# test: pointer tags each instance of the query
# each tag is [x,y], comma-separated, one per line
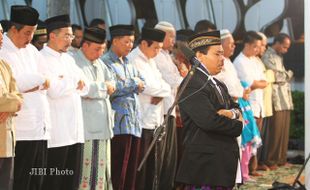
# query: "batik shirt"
[124,100]
[281,88]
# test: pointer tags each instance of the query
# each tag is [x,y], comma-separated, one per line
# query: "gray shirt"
[97,113]
[281,89]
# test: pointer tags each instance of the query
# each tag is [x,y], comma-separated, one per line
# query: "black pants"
[169,156]
[6,173]
[125,150]
[145,176]
[63,168]
[29,155]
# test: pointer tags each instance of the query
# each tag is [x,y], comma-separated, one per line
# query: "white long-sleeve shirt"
[249,70]
[33,120]
[170,74]
[155,86]
[64,99]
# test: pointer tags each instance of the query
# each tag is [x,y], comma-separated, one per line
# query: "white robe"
[64,99]
[33,120]
[170,74]
[151,115]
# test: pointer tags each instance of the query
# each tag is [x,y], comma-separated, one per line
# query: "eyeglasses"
[68,37]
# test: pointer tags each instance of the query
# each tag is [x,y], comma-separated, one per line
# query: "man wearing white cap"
[229,74]
[171,75]
[32,122]
[230,78]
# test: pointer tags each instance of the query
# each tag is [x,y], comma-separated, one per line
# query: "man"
[76,42]
[40,36]
[97,22]
[204,26]
[67,85]
[267,99]
[171,75]
[252,73]
[125,145]
[282,101]
[10,103]
[151,98]
[230,78]
[165,64]
[211,119]
[229,74]
[6,25]
[97,113]
[33,121]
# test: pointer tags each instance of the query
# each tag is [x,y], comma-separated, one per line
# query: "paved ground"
[282,174]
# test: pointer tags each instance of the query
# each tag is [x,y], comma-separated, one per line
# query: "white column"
[307,89]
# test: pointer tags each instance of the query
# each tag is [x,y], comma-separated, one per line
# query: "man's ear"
[13,29]
[199,55]
[143,43]
[52,35]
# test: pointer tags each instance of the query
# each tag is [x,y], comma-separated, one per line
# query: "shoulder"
[159,57]
[102,64]
[5,65]
[197,81]
[239,59]
[32,47]
[106,58]
[269,54]
[68,57]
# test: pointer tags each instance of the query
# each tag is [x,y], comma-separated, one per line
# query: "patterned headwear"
[41,29]
[202,40]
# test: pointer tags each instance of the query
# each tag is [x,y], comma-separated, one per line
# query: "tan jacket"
[9,101]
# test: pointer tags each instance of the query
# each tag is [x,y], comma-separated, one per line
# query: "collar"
[82,56]
[204,70]
[141,54]
[10,42]
[115,58]
[52,51]
[165,52]
[273,51]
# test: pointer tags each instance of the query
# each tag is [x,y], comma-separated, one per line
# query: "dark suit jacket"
[211,151]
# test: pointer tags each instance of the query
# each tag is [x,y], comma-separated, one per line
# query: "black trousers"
[145,176]
[6,173]
[28,156]
[63,168]
[169,156]
[166,160]
[125,150]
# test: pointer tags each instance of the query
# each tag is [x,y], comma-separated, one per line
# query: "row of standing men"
[140,88]
[73,105]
